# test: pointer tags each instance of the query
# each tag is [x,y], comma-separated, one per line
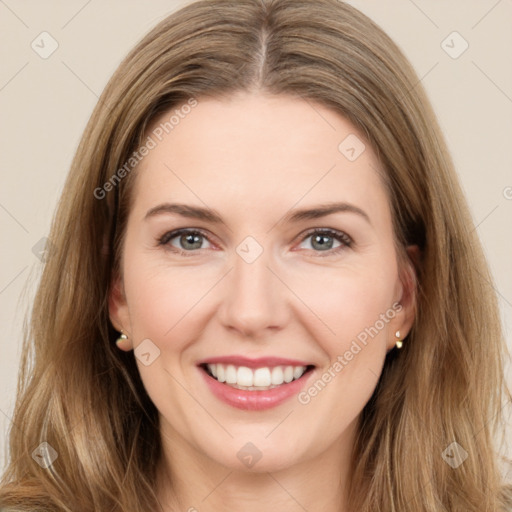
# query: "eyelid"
[173,233]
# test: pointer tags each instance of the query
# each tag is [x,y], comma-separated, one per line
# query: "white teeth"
[221,373]
[297,372]
[243,377]
[262,377]
[277,375]
[230,374]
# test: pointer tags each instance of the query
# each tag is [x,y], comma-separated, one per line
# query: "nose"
[255,299]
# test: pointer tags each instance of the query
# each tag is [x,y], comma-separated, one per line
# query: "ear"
[406,295]
[119,313]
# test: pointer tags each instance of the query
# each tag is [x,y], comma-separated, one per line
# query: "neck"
[190,481]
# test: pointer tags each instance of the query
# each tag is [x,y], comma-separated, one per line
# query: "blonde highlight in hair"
[85,398]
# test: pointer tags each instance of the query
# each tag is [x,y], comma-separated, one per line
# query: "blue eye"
[188,240]
[322,240]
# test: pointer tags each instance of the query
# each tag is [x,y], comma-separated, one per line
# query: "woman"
[262,290]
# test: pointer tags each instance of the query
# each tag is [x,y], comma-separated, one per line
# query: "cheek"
[163,299]
[353,314]
[347,301]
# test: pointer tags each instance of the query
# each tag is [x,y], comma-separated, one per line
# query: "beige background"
[45,104]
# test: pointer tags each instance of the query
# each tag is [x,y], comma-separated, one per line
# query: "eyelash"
[343,238]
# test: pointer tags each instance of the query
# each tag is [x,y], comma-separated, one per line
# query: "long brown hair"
[81,395]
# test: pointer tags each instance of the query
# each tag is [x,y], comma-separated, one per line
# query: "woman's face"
[231,261]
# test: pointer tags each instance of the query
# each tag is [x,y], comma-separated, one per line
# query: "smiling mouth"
[255,379]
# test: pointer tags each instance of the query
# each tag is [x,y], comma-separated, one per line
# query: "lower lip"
[254,400]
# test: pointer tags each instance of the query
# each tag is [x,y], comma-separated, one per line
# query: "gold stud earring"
[122,338]
[399,342]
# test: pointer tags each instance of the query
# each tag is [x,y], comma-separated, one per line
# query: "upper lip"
[258,362]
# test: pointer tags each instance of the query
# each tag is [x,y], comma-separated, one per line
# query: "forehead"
[256,151]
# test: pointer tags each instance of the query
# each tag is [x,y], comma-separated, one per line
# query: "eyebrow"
[297,215]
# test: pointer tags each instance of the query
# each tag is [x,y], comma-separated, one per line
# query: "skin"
[253,159]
